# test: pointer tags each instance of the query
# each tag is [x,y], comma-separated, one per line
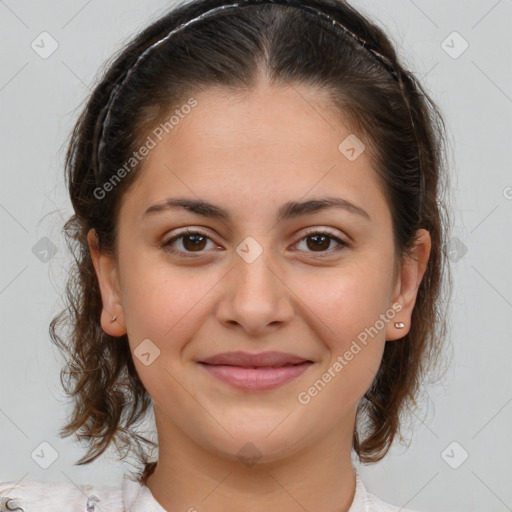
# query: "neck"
[319,477]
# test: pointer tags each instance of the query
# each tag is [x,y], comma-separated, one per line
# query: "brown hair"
[401,126]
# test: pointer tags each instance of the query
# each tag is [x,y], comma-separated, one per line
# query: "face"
[317,283]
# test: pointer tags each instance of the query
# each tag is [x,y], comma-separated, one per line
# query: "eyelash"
[167,245]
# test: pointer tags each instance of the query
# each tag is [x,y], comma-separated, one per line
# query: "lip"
[248,360]
[255,372]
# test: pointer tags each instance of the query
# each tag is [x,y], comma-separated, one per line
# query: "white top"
[130,496]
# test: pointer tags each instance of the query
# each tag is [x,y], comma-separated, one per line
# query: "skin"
[250,154]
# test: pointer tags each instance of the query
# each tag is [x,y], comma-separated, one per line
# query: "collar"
[138,497]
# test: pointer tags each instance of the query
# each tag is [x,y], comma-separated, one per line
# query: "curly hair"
[405,135]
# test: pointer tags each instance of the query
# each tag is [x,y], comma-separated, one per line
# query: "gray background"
[40,99]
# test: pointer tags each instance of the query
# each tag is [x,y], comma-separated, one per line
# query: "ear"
[408,282]
[108,279]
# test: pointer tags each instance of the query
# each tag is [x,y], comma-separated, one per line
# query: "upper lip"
[246,359]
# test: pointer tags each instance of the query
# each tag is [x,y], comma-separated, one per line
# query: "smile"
[256,378]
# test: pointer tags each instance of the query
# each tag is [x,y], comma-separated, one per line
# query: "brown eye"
[194,242]
[191,242]
[320,242]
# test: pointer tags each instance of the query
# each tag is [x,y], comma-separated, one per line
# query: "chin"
[252,446]
[250,452]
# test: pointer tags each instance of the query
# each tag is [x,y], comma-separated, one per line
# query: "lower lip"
[256,379]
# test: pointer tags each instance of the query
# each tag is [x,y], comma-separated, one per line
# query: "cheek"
[344,301]
[161,302]
[163,307]
[345,311]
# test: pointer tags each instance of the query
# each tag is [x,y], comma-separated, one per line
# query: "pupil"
[196,244]
[316,245]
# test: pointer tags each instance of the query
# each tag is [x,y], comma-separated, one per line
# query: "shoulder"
[32,496]
[367,502]
[375,504]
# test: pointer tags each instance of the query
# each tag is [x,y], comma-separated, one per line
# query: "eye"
[194,241]
[321,240]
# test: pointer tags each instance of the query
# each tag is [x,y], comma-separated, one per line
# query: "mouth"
[256,377]
[256,366]
[270,359]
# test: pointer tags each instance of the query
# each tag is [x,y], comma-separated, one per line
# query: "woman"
[259,257]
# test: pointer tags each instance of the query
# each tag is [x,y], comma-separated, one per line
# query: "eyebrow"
[288,210]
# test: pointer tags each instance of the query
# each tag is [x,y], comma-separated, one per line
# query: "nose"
[255,295]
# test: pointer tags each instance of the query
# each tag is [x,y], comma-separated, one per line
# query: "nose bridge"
[253,267]
[256,296]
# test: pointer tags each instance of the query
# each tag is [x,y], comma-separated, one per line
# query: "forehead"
[262,148]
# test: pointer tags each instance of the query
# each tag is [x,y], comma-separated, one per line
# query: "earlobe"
[409,280]
[105,266]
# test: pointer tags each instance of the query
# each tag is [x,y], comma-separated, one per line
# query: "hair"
[404,134]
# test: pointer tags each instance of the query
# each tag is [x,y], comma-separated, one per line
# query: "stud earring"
[113,319]
[399,325]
